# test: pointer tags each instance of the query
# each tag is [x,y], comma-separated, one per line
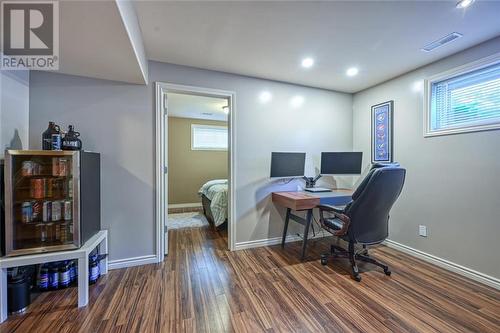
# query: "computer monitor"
[341,163]
[287,164]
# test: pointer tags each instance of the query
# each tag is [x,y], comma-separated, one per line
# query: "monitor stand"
[311,185]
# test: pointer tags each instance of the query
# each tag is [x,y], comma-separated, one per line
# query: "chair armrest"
[339,214]
[330,208]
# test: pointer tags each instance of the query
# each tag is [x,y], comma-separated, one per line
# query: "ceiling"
[94,42]
[269,39]
[196,107]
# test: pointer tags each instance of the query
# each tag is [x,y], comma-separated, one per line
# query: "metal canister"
[67,210]
[63,167]
[63,233]
[57,232]
[37,188]
[47,211]
[28,168]
[43,233]
[49,188]
[37,211]
[55,166]
[70,188]
[56,210]
[56,141]
[27,212]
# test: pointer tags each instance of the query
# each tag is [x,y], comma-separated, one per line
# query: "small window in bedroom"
[208,137]
[465,101]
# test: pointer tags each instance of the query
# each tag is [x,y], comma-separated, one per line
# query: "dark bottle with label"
[93,270]
[64,275]
[43,278]
[51,134]
[53,277]
[71,141]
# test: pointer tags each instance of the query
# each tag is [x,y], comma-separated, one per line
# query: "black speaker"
[18,291]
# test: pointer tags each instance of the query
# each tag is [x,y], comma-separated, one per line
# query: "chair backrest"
[372,203]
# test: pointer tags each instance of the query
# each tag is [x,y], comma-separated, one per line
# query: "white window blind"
[206,137]
[465,102]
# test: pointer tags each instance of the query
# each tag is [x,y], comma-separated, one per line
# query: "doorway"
[202,114]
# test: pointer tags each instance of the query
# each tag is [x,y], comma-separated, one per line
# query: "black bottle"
[52,130]
[71,141]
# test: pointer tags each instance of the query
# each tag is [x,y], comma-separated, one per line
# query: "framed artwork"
[382,132]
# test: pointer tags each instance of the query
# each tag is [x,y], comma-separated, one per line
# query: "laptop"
[317,189]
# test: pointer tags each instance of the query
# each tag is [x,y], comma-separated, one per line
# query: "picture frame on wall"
[382,132]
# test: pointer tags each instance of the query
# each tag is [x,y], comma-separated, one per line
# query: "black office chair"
[365,220]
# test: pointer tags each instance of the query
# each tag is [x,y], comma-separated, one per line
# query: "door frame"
[161,205]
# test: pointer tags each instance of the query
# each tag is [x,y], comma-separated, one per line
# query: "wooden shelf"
[22,224]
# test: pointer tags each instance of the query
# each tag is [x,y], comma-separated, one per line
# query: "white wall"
[453,183]
[14,110]
[117,120]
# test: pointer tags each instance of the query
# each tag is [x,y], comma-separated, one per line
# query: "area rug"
[186,220]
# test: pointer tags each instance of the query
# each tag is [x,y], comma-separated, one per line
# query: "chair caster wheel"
[357,278]
[387,272]
[324,260]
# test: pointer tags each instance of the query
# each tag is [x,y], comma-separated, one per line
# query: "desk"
[307,201]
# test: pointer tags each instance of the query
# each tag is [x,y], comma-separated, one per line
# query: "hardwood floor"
[203,287]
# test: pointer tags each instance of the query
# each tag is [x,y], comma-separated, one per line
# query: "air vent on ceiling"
[441,41]
[207,113]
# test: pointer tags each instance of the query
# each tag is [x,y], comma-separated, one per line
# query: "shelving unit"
[81,254]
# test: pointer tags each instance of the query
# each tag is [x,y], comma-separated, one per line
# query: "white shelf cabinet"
[81,254]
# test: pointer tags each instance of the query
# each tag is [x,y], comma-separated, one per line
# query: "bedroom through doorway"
[197,157]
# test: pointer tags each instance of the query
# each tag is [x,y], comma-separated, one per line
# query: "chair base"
[340,252]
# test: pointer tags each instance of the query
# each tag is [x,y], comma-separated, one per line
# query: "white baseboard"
[185,205]
[130,262]
[271,241]
[448,265]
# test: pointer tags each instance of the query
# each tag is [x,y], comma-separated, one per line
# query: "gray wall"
[14,110]
[117,120]
[453,183]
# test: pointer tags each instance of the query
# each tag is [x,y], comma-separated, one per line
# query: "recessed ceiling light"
[307,62]
[297,101]
[464,3]
[265,96]
[225,109]
[352,71]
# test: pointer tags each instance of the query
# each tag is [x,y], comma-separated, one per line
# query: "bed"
[214,200]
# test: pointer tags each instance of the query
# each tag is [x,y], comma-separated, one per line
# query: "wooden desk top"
[301,200]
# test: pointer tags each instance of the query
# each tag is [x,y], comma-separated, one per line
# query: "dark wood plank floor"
[202,287]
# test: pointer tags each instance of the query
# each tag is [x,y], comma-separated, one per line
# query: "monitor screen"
[341,163]
[287,164]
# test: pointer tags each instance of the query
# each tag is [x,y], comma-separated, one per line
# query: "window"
[207,137]
[466,100]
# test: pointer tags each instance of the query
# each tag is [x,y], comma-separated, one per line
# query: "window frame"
[467,68]
[193,126]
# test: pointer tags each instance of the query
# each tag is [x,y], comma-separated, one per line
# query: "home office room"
[216,166]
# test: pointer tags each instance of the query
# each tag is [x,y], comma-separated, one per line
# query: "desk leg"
[287,219]
[83,280]
[306,232]
[3,294]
